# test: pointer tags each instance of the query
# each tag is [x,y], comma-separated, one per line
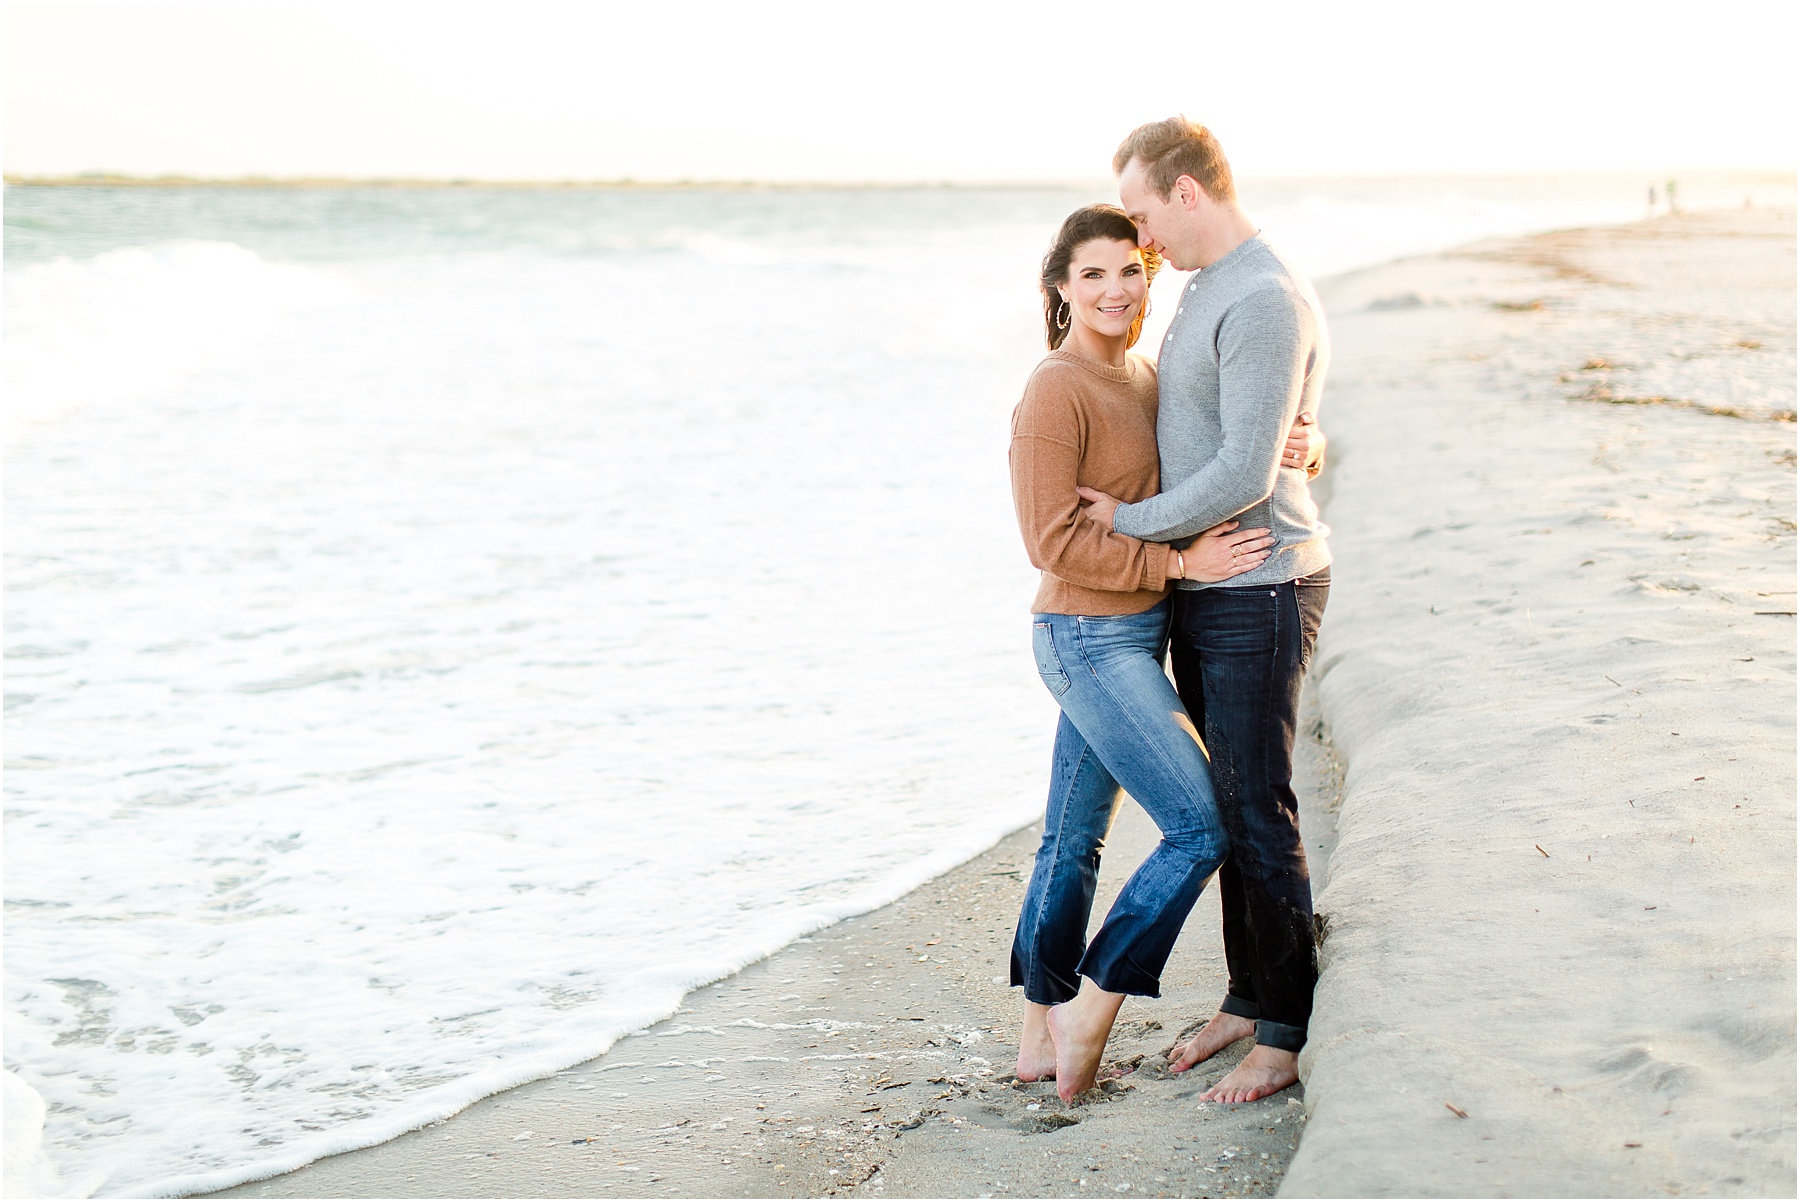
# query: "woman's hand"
[1221,553]
[1305,446]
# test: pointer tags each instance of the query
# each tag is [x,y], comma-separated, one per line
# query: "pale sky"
[914,90]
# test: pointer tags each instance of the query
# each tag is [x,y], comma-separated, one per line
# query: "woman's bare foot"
[1218,1034]
[1037,1052]
[1264,1071]
[1079,1028]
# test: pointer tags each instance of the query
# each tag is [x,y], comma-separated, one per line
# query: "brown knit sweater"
[1088,423]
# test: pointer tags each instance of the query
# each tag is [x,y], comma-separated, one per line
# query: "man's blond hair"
[1173,148]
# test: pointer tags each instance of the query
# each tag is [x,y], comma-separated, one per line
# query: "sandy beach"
[1558,669]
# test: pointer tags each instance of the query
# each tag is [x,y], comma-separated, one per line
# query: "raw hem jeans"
[1122,725]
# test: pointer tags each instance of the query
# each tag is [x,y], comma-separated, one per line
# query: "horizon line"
[174,179]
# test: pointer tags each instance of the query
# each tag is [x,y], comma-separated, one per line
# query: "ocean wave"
[132,322]
[477,664]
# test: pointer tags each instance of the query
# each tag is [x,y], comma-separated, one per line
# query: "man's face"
[1163,225]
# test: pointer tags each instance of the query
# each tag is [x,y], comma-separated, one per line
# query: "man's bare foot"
[1218,1034]
[1037,1052]
[1264,1071]
[1079,1028]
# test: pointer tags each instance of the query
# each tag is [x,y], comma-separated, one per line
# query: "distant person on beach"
[1245,356]
[1100,624]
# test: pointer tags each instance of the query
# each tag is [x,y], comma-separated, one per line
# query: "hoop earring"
[1062,316]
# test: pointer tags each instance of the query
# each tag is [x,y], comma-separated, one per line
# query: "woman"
[1100,618]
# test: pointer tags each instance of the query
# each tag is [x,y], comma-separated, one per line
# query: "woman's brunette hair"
[1090,224]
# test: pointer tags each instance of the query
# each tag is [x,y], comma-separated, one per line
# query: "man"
[1245,354]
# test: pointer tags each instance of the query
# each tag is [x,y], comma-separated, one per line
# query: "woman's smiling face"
[1106,286]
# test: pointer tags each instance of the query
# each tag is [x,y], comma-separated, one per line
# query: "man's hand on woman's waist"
[1100,506]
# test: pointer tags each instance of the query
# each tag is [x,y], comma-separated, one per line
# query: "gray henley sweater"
[1245,353]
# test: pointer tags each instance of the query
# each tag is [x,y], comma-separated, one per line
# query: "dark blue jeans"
[1240,655]
[1121,725]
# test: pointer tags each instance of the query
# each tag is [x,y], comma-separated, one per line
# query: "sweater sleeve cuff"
[1156,566]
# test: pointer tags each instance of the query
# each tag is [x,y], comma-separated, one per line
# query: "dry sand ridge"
[1559,666]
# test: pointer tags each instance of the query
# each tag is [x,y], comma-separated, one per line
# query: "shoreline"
[871,1058]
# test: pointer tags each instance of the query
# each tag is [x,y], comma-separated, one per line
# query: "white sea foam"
[407,710]
[130,322]
[29,1173]
[424,667]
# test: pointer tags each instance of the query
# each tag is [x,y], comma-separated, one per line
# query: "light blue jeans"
[1122,726]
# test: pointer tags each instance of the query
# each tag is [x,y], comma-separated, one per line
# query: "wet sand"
[871,1059]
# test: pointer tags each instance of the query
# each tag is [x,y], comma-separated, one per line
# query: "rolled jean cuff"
[1242,1007]
[1123,977]
[1280,1035]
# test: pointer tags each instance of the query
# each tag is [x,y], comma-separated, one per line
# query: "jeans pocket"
[1049,664]
[1309,610]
